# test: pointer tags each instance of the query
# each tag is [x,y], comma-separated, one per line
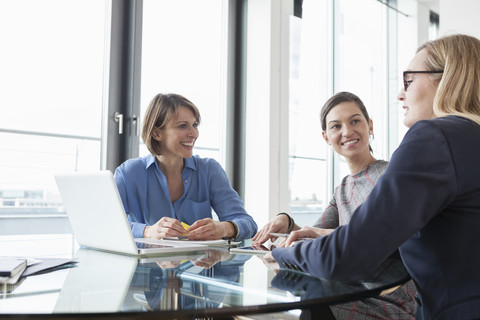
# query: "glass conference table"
[209,284]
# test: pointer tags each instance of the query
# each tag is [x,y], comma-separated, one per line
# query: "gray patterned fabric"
[353,191]
[400,304]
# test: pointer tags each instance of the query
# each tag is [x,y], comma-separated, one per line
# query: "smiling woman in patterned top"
[347,128]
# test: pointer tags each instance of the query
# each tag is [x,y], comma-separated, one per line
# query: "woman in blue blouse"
[171,186]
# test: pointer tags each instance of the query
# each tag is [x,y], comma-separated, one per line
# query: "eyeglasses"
[406,83]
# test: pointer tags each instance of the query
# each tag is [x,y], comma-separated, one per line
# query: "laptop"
[98,218]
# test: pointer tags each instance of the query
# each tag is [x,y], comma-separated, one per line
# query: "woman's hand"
[279,224]
[209,229]
[165,227]
[305,232]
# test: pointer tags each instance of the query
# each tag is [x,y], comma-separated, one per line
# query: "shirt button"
[185,181]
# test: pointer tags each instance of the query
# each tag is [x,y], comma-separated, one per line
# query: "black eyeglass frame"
[406,85]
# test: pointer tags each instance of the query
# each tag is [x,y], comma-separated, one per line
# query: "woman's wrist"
[145,231]
[291,222]
[232,230]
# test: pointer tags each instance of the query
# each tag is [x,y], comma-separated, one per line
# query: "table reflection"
[107,282]
[98,283]
[209,283]
[308,287]
[200,283]
[382,281]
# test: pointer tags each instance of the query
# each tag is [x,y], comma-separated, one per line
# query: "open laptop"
[98,218]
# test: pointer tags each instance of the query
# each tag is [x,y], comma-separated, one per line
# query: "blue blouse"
[144,191]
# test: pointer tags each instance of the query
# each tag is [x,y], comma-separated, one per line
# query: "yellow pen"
[185,226]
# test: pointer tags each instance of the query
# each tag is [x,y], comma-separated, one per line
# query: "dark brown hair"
[335,100]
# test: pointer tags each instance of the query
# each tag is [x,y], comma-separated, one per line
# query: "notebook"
[98,218]
[11,269]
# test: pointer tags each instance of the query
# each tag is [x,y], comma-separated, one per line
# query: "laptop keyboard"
[145,245]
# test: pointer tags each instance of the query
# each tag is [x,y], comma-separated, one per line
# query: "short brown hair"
[160,111]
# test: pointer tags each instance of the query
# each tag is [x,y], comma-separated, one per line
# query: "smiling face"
[418,98]
[179,135]
[348,131]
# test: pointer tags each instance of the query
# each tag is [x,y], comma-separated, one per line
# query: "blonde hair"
[160,111]
[458,91]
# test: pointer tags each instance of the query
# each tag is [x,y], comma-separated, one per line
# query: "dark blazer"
[427,204]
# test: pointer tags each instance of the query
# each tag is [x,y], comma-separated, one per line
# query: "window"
[335,48]
[52,94]
[184,52]
[310,76]
[361,64]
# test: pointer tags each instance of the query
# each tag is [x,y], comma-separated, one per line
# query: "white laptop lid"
[98,218]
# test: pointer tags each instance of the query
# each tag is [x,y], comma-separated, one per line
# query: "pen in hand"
[185,226]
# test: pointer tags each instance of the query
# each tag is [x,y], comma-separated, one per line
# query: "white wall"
[459,16]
